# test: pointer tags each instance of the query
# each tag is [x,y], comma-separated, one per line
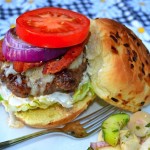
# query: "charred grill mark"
[128,52]
[125,102]
[138,44]
[140,76]
[147,79]
[147,51]
[146,97]
[114,50]
[126,45]
[132,36]
[114,99]
[131,66]
[117,35]
[142,69]
[119,95]
[114,38]
[129,59]
[134,58]
[146,62]
[142,103]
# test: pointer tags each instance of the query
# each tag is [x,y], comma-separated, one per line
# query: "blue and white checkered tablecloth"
[135,14]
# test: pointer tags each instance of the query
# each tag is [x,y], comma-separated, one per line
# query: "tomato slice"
[52,27]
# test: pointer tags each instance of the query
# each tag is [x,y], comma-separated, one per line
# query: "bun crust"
[119,65]
[53,116]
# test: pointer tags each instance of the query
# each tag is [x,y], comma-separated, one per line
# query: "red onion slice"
[14,49]
[99,144]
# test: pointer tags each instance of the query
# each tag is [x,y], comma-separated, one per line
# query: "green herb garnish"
[148,125]
[137,127]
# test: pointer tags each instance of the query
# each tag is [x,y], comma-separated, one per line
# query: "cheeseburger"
[48,78]
[44,81]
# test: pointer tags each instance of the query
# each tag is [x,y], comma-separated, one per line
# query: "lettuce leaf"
[45,101]
[24,107]
[83,91]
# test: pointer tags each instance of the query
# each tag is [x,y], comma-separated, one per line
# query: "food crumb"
[17,124]
[13,122]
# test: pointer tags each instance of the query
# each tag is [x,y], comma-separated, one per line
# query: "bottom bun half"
[54,115]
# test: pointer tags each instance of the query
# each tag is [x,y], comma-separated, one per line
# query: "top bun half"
[119,65]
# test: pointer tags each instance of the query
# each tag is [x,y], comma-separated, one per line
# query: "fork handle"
[15,141]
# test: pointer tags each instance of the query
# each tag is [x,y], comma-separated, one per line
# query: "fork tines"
[92,123]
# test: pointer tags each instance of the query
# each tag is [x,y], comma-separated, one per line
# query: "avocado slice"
[111,127]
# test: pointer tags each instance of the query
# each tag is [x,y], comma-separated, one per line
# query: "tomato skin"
[63,38]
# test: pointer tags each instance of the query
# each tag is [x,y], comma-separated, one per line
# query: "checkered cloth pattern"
[78,6]
[123,11]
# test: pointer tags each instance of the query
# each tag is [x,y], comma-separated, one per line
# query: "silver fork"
[79,128]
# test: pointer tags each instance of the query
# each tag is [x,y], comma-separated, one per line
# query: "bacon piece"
[2,58]
[24,66]
[55,66]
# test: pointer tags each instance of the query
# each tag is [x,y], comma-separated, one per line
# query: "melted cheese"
[8,69]
[37,80]
[77,62]
[19,80]
[15,102]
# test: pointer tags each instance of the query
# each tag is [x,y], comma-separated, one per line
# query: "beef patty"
[66,80]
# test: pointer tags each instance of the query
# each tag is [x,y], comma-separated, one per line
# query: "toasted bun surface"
[53,116]
[119,65]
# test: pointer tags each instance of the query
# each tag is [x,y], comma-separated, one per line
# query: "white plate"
[47,142]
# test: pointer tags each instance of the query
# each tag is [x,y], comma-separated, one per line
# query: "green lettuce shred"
[1,98]
[148,125]
[82,92]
